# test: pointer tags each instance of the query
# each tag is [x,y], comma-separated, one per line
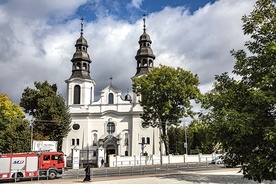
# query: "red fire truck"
[33,164]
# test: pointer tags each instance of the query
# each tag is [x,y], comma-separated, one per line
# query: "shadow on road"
[205,178]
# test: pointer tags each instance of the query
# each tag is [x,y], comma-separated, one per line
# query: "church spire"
[144,20]
[81,60]
[82,26]
[144,56]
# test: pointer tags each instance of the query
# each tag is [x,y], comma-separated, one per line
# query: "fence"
[120,161]
[130,170]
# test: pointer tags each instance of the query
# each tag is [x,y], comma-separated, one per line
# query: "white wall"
[118,161]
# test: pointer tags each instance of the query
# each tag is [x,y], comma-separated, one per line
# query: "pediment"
[111,88]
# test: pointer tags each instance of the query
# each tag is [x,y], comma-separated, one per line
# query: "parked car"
[218,160]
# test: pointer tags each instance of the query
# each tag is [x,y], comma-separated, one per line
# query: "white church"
[111,125]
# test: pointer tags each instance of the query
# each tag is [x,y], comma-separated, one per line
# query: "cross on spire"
[144,19]
[110,79]
[82,25]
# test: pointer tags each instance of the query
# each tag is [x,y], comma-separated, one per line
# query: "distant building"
[111,125]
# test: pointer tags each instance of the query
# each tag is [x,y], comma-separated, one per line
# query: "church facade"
[111,125]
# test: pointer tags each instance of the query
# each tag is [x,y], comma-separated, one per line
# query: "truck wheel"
[18,175]
[52,174]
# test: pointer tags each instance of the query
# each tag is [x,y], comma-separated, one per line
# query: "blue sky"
[37,39]
[132,10]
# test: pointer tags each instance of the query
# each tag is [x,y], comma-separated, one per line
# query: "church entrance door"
[110,150]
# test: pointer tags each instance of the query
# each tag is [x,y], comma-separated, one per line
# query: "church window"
[145,125]
[110,98]
[126,139]
[95,139]
[150,63]
[75,142]
[76,126]
[110,127]
[143,140]
[77,92]
[78,66]
[148,140]
[84,66]
[139,63]
[145,62]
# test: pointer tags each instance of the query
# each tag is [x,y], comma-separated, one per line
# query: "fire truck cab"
[33,164]
[51,164]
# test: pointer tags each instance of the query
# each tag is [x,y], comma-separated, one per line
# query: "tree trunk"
[164,137]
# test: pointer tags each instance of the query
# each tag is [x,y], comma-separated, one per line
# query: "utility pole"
[32,128]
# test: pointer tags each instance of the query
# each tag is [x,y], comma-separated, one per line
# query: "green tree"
[243,111]
[176,138]
[166,96]
[52,118]
[14,129]
[200,137]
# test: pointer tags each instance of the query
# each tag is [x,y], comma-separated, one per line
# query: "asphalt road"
[217,176]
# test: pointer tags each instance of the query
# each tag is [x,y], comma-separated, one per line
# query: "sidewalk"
[227,175]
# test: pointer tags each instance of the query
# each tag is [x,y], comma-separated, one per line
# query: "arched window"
[110,98]
[84,66]
[110,127]
[78,66]
[126,139]
[150,63]
[145,63]
[139,63]
[95,139]
[77,92]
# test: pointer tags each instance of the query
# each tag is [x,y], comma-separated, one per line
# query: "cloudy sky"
[38,36]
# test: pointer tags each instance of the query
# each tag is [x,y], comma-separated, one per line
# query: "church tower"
[80,86]
[144,56]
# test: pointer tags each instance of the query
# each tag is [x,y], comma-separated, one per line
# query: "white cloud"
[37,45]
[41,9]
[136,3]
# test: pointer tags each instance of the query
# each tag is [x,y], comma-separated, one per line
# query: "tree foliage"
[176,139]
[200,137]
[52,118]
[14,130]
[166,96]
[243,111]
